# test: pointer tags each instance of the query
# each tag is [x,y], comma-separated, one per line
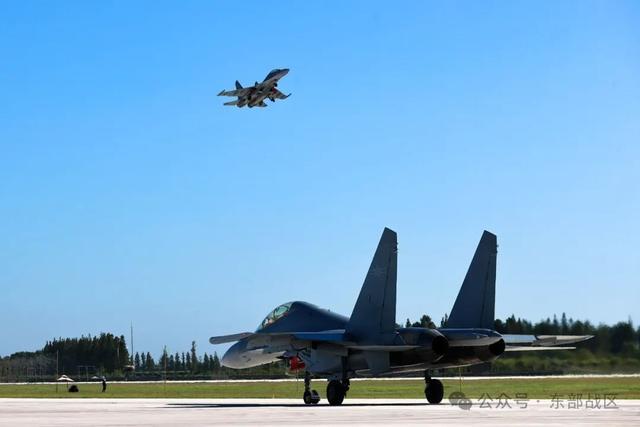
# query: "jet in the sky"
[370,343]
[254,96]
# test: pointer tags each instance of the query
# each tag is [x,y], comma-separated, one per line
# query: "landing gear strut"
[434,390]
[336,391]
[310,397]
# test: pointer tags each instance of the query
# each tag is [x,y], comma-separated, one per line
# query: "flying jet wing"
[275,93]
[236,92]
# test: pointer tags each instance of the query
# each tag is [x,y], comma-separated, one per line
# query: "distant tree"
[425,322]
[205,363]
[194,357]
[136,361]
[164,359]
[187,365]
[443,321]
[622,336]
[151,364]
[407,324]
[178,365]
[216,362]
[143,362]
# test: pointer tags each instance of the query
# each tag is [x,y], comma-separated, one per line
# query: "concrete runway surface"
[200,412]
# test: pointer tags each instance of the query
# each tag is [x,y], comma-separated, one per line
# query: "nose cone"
[284,72]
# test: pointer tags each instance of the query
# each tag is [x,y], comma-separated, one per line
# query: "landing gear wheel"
[434,392]
[310,397]
[335,392]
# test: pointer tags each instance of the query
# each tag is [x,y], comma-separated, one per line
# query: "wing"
[276,94]
[542,342]
[237,92]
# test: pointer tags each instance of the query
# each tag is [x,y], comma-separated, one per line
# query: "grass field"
[622,388]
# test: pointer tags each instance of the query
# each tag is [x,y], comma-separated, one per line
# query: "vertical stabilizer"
[374,314]
[238,85]
[475,304]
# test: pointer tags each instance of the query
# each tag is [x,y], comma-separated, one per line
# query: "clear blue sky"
[129,193]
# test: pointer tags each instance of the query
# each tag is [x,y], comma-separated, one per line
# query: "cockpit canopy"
[275,315]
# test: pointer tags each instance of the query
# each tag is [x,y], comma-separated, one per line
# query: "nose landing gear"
[310,397]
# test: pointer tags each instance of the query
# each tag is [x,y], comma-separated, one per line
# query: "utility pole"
[164,357]
[131,343]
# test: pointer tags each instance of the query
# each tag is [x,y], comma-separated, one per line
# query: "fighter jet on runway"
[370,343]
[255,95]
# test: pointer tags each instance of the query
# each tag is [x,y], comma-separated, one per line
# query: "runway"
[195,412]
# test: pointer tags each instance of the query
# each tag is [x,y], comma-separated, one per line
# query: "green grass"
[622,388]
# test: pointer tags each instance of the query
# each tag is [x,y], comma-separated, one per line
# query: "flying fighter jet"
[370,343]
[255,95]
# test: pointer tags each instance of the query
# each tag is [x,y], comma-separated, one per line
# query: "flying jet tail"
[475,304]
[238,85]
[374,314]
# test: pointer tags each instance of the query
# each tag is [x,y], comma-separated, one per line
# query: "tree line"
[614,347]
[179,362]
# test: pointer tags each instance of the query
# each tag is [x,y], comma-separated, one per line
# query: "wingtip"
[221,92]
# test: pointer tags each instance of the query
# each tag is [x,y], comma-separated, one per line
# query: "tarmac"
[264,412]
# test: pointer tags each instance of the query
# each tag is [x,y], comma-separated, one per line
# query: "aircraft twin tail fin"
[475,304]
[238,85]
[374,314]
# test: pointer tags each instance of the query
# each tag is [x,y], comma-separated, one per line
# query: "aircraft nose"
[284,71]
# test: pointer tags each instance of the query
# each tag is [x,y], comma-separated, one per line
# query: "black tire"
[335,393]
[315,397]
[306,396]
[434,392]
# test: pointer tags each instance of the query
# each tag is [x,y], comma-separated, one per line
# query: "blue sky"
[128,193]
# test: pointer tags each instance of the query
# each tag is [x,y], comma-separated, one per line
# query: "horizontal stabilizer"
[529,348]
[230,338]
[231,102]
[543,340]
[222,92]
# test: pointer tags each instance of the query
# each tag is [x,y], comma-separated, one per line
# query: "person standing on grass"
[104,384]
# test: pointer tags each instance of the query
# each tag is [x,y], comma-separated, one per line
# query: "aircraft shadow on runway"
[279,405]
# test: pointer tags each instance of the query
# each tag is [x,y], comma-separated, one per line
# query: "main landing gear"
[336,391]
[434,390]
[310,397]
